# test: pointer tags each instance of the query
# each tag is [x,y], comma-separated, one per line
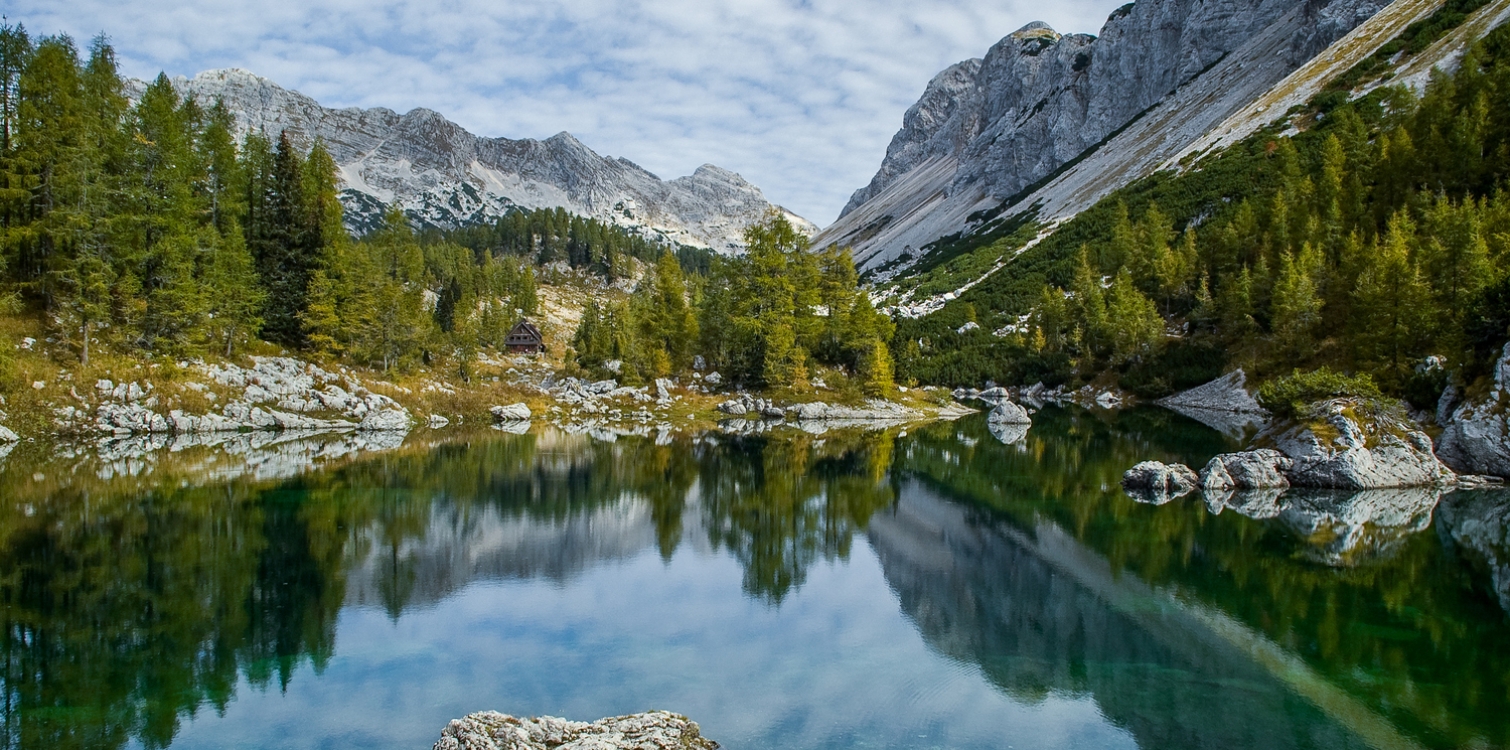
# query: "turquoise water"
[927,589]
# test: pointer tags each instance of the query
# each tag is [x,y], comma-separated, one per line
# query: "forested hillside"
[146,227]
[1363,235]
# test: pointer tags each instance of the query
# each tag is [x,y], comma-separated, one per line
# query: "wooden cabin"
[525,338]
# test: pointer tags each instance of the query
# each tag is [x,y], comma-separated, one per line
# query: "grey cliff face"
[444,176]
[986,129]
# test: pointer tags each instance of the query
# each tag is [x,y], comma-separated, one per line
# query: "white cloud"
[801,97]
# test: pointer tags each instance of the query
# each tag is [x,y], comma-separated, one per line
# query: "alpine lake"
[933,586]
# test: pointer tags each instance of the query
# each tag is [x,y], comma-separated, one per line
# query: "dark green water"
[931,589]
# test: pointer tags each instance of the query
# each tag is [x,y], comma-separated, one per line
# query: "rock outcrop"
[511,413]
[1225,405]
[444,176]
[275,393]
[1343,446]
[653,730]
[1250,470]
[987,129]
[1477,435]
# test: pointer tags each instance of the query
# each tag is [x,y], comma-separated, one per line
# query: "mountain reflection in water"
[149,587]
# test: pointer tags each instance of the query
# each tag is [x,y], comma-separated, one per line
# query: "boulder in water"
[1250,470]
[490,730]
[1007,412]
[1159,483]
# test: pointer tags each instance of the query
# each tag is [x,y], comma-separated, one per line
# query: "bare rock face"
[1477,435]
[986,129]
[1225,405]
[1344,450]
[653,730]
[444,176]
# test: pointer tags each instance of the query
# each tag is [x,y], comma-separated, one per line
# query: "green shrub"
[1292,395]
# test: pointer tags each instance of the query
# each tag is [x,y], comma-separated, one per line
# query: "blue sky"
[800,97]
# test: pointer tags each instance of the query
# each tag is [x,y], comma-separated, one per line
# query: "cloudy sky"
[799,96]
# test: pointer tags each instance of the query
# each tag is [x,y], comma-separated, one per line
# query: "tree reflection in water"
[131,602]
[135,595]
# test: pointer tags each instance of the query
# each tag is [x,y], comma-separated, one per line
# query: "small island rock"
[490,730]
[1007,412]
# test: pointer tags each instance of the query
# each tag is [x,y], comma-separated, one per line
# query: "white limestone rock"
[1158,483]
[1476,438]
[985,129]
[1007,412]
[511,413]
[1227,393]
[8,436]
[652,730]
[386,420]
[1250,470]
[1381,452]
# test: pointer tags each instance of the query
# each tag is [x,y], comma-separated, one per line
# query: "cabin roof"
[526,329]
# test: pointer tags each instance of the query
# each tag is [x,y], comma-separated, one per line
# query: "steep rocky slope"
[1162,74]
[444,176]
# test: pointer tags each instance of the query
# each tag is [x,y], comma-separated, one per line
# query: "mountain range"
[443,176]
[1047,124]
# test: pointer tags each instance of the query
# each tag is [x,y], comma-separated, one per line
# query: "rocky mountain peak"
[442,175]
[985,130]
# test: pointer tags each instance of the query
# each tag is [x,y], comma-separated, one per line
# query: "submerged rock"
[652,730]
[1477,435]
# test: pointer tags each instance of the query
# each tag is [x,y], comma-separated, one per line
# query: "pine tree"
[1296,304]
[1391,308]
[234,294]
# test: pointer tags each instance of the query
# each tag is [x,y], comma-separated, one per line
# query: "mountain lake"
[935,586]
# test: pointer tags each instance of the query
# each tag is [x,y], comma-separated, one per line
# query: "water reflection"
[1415,635]
[132,602]
[136,593]
[1041,614]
